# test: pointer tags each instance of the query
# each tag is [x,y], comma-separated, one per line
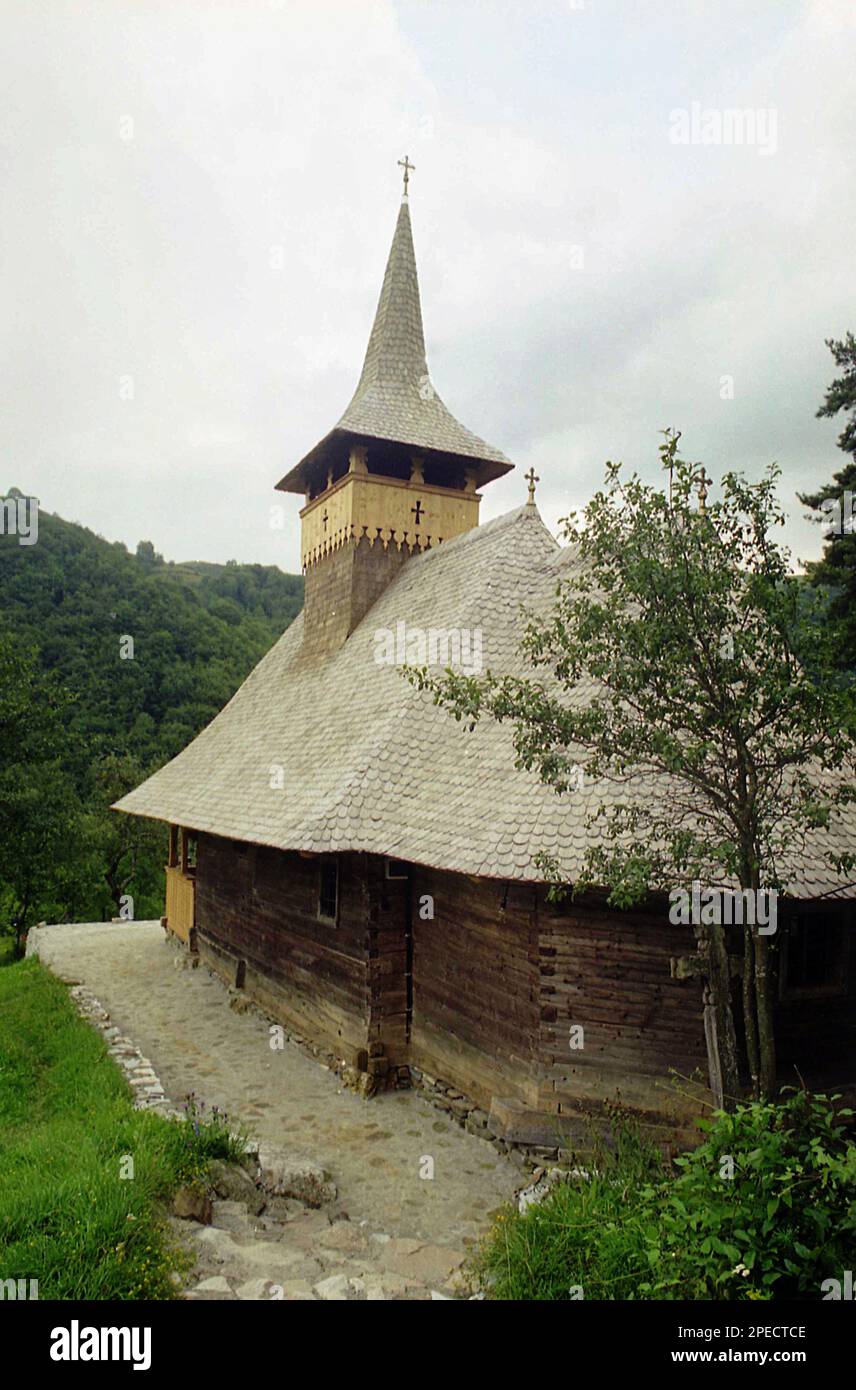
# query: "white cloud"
[228,256]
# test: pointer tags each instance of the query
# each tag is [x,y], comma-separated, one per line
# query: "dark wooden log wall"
[499,976]
[475,985]
[388,913]
[611,973]
[260,906]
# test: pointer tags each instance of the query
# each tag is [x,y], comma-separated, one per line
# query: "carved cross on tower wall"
[325,518]
[418,511]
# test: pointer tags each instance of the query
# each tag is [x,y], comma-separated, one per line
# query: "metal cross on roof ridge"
[406,166]
[704,483]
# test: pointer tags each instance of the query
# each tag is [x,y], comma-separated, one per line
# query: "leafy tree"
[842,393]
[679,646]
[39,816]
[835,504]
[147,555]
[130,851]
[81,725]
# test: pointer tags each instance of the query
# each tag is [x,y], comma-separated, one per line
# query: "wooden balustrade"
[180,902]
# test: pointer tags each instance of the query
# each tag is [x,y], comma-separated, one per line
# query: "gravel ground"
[391,1232]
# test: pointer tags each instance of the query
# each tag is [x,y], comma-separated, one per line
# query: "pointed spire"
[395,400]
[396,350]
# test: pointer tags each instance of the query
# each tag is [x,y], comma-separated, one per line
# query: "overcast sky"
[198,200]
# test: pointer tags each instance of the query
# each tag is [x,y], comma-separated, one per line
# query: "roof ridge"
[480,532]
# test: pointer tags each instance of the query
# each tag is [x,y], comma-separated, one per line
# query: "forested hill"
[110,662]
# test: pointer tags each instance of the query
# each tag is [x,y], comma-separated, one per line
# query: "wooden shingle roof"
[368,763]
[395,400]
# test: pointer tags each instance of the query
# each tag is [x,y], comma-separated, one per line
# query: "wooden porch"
[180,913]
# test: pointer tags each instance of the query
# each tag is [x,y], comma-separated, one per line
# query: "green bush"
[765,1208]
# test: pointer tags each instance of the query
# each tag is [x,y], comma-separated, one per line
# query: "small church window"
[397,869]
[814,957]
[187,853]
[328,892]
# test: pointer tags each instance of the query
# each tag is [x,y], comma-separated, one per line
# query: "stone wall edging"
[138,1071]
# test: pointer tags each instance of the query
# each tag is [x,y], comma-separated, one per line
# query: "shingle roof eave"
[370,764]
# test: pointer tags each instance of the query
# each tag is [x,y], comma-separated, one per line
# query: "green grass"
[67,1127]
[586,1236]
[762,1209]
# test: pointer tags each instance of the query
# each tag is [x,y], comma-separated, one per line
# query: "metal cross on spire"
[406,166]
[532,478]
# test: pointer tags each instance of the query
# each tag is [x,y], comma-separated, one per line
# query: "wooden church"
[364,868]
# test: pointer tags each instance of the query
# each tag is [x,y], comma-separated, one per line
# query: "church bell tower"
[397,474]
